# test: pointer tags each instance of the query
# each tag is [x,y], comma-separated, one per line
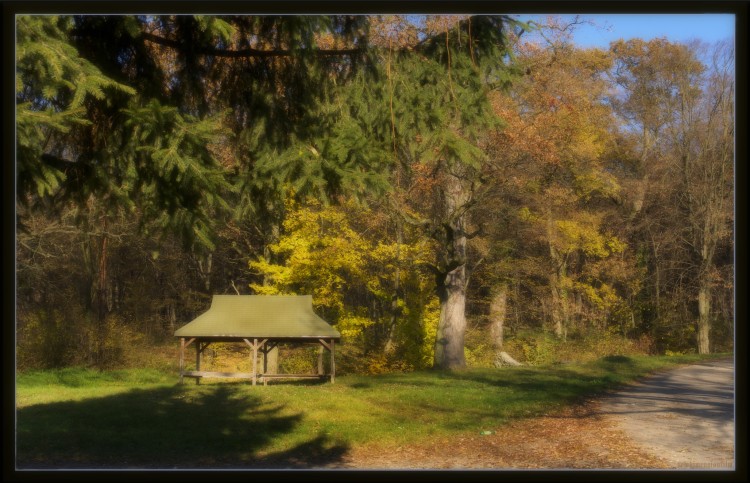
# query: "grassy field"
[74,418]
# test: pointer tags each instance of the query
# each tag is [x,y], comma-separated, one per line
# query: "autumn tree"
[683,112]
[559,134]
[344,255]
[430,112]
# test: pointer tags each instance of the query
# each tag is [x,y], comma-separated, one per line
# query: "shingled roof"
[261,316]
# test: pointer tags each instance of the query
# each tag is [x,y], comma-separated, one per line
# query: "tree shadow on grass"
[513,393]
[222,426]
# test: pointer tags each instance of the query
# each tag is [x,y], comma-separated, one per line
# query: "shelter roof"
[261,316]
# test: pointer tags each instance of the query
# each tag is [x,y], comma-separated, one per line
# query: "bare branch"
[244,52]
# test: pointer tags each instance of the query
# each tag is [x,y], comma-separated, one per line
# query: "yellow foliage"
[584,234]
[351,326]
[525,214]
[348,270]
[430,320]
[604,297]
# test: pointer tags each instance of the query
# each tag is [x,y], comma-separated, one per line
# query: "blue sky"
[675,27]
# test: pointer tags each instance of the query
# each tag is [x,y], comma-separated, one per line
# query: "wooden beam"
[269,346]
[324,344]
[292,376]
[247,375]
[190,342]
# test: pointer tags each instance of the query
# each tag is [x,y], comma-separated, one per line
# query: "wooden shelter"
[261,322]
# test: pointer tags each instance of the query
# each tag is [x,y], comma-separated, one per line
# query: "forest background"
[445,188]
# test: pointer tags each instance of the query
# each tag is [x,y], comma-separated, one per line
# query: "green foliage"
[52,83]
[171,171]
[149,160]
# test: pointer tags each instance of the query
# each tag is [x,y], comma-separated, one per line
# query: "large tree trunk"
[449,344]
[452,280]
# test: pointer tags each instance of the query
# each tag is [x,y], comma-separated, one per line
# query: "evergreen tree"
[135,116]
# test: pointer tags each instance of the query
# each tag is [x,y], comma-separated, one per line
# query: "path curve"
[684,416]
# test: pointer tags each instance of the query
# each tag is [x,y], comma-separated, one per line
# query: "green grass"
[141,418]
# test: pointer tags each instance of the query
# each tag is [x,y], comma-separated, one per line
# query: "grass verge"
[73,418]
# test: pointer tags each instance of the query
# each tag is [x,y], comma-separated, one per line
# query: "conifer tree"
[134,117]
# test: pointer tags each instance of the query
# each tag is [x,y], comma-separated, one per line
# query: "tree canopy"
[431,180]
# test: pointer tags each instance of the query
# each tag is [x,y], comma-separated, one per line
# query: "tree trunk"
[559,309]
[704,314]
[390,343]
[101,301]
[272,361]
[449,344]
[452,279]
[498,310]
[320,368]
[205,271]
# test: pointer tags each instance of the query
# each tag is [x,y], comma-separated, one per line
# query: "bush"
[543,348]
[301,360]
[51,338]
[478,350]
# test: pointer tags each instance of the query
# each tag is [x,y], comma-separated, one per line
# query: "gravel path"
[684,416]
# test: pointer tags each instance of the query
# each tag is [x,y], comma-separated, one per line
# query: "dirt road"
[683,416]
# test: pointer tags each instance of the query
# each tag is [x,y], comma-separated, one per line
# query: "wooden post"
[198,361]
[333,361]
[320,360]
[182,358]
[255,360]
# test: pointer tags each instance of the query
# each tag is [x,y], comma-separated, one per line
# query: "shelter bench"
[265,377]
[199,374]
[245,375]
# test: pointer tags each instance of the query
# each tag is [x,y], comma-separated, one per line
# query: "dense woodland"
[446,188]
